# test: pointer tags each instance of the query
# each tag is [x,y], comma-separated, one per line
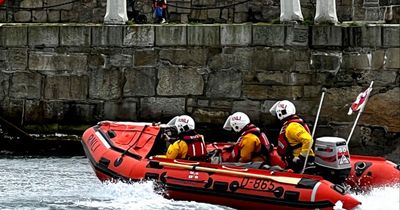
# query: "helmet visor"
[273,108]
[227,125]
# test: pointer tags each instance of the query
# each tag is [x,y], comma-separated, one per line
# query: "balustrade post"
[116,12]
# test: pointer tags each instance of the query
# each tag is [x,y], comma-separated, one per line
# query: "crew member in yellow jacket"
[189,144]
[294,141]
[252,145]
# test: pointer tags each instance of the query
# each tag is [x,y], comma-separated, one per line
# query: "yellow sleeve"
[247,147]
[297,133]
[177,150]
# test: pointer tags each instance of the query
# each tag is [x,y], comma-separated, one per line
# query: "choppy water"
[70,183]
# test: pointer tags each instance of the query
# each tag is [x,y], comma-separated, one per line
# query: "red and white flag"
[361,100]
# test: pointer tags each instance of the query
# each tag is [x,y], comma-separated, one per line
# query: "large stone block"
[203,35]
[179,81]
[312,91]
[82,113]
[371,36]
[49,63]
[31,3]
[381,77]
[125,110]
[236,34]
[50,111]
[23,16]
[362,36]
[154,108]
[203,2]
[107,35]
[140,82]
[44,36]
[105,84]
[390,117]
[147,58]
[326,61]
[266,77]
[25,85]
[297,35]
[39,16]
[139,36]
[13,36]
[171,35]
[368,61]
[63,4]
[66,87]
[16,59]
[326,36]
[34,112]
[273,59]
[120,60]
[203,115]
[392,58]
[263,92]
[219,104]
[4,85]
[339,100]
[75,36]
[3,16]
[97,60]
[224,84]
[299,79]
[13,109]
[391,35]
[53,16]
[269,35]
[232,58]
[185,57]
[251,108]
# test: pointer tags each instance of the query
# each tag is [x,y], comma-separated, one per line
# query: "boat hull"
[128,152]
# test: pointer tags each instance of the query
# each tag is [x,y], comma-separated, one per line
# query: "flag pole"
[358,115]
[314,128]
[319,110]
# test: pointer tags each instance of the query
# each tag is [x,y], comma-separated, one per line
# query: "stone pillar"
[116,12]
[291,11]
[326,12]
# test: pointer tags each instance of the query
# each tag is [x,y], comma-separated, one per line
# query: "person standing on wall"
[294,141]
[160,11]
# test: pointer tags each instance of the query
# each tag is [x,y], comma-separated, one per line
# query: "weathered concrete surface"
[57,75]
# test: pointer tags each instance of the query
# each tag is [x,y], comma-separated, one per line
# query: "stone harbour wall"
[54,76]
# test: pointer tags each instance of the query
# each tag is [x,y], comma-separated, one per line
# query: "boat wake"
[142,196]
[384,198]
[137,196]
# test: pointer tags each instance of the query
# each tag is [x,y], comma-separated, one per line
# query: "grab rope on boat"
[119,160]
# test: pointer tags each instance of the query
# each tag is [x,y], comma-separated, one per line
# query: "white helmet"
[283,109]
[182,123]
[236,121]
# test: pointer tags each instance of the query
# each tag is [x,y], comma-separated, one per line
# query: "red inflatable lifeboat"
[128,151]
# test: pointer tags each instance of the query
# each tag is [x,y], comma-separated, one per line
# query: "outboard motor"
[332,159]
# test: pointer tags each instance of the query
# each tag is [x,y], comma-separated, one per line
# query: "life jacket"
[265,145]
[284,147]
[196,147]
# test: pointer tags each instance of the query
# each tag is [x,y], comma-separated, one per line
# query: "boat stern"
[337,196]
